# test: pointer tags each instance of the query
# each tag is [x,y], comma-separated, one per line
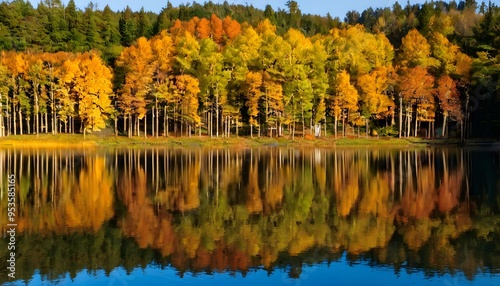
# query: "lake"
[272,215]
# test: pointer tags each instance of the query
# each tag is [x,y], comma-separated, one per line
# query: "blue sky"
[336,8]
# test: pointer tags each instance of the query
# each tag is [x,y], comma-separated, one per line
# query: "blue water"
[335,273]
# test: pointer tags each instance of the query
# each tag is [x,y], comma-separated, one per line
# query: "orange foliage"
[231,27]
[217,29]
[203,29]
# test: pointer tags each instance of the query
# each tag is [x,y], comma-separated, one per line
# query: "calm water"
[271,216]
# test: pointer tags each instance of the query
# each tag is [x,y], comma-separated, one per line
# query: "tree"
[213,81]
[415,51]
[272,57]
[231,28]
[163,49]
[17,66]
[187,87]
[449,100]
[4,89]
[297,85]
[127,27]
[217,29]
[203,30]
[417,88]
[137,61]
[253,93]
[345,97]
[374,95]
[319,82]
[92,86]
[37,76]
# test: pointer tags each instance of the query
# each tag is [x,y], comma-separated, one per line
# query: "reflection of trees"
[259,204]
[60,191]
[65,197]
[231,210]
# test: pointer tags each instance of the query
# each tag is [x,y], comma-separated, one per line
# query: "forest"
[429,70]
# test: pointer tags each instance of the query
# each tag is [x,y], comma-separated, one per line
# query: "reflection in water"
[431,210]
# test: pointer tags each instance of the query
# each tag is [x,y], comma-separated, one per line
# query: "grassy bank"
[93,140]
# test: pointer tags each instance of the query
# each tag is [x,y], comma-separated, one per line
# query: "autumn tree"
[415,51]
[273,57]
[188,88]
[137,62]
[37,76]
[240,57]
[163,49]
[203,30]
[4,90]
[449,101]
[231,28]
[417,89]
[297,85]
[374,95]
[319,82]
[17,67]
[345,98]
[217,29]
[92,86]
[253,82]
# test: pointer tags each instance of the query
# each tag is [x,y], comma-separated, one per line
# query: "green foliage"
[387,131]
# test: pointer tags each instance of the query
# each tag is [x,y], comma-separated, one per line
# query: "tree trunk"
[137,130]
[175,120]
[251,131]
[129,129]
[53,108]
[46,125]
[167,125]
[408,121]
[343,124]
[182,122]
[335,126]
[416,122]
[9,123]
[157,119]
[2,129]
[37,108]
[210,124]
[145,126]
[400,115]
[165,132]
[303,121]
[153,116]
[326,134]
[217,112]
[14,125]
[366,127]
[444,125]
[20,121]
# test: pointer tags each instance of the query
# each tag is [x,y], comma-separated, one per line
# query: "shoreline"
[93,140]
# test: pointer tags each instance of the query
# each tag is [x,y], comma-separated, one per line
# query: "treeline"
[264,71]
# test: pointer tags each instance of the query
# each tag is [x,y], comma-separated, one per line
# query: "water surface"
[286,216]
